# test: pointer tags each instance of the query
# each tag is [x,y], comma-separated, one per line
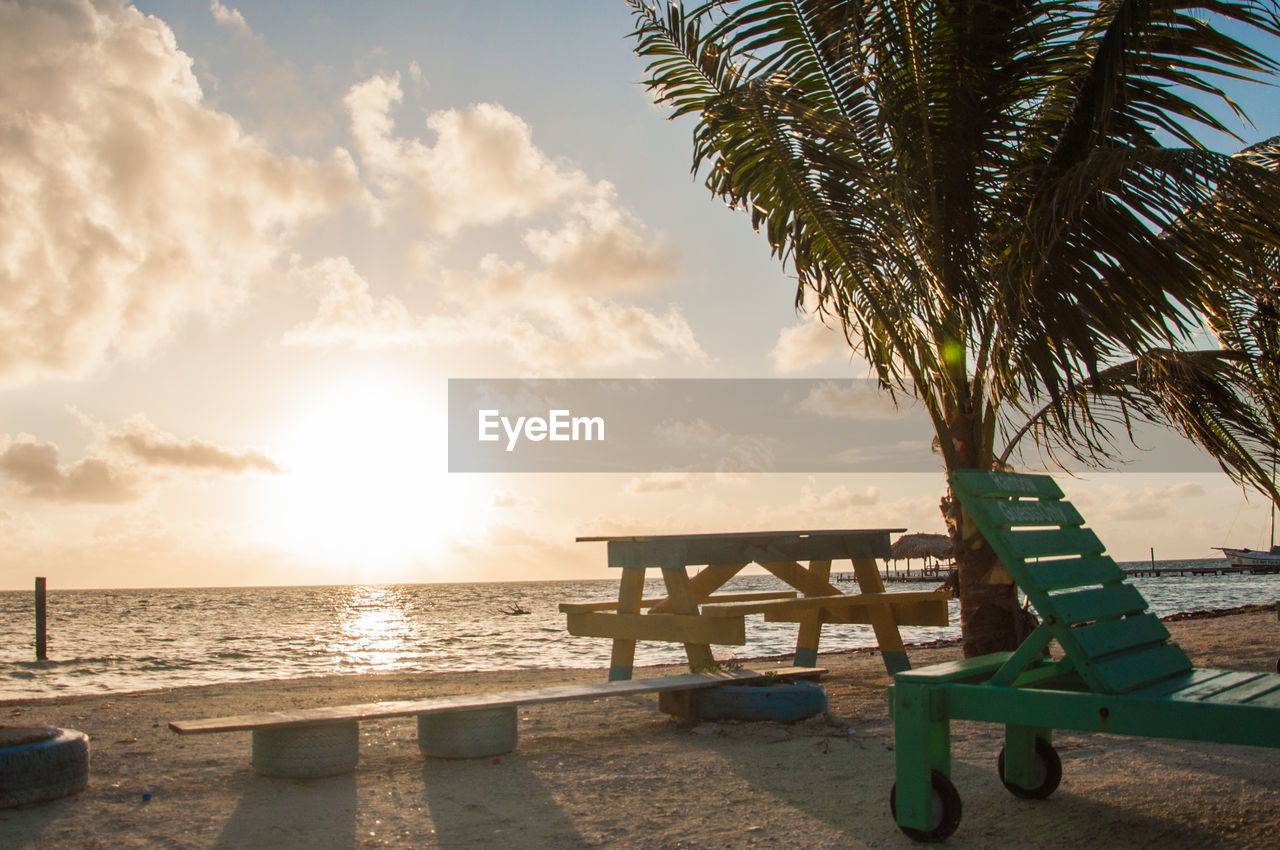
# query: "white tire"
[471,733]
[39,763]
[307,752]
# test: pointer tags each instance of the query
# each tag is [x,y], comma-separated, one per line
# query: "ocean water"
[131,640]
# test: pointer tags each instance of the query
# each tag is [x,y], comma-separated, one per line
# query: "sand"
[618,773]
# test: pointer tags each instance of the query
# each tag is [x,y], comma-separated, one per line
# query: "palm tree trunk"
[990,618]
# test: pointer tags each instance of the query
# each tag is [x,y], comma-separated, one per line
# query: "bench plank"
[676,628]
[612,604]
[495,699]
[785,607]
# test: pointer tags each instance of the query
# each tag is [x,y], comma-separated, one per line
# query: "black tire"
[785,702]
[39,763]
[1048,773]
[946,811]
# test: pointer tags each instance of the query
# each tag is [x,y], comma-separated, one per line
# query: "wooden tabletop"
[681,550]
[733,535]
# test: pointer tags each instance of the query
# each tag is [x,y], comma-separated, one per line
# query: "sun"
[366,489]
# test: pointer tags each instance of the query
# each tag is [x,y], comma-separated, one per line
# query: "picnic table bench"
[693,613]
[324,741]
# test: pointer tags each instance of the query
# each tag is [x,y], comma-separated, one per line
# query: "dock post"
[42,641]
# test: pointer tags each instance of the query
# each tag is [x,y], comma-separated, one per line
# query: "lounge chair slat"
[1170,687]
[1112,636]
[1134,670]
[1248,692]
[1009,513]
[1054,542]
[1075,572]
[1096,603]
[1214,686]
[989,485]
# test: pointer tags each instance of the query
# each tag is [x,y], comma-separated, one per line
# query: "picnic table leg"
[680,594]
[630,592]
[810,632]
[882,620]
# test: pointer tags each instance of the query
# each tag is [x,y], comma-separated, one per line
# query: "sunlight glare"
[367,486]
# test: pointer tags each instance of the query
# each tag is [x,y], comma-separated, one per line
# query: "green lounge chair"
[1118,672]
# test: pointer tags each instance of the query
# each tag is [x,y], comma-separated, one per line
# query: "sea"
[116,641]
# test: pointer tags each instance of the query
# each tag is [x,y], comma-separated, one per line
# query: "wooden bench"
[323,741]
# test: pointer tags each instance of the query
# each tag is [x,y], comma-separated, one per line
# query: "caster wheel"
[945,811]
[1048,773]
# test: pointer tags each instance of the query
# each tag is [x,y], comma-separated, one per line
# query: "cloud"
[229,17]
[481,169]
[601,247]
[860,400]
[660,482]
[1150,503]
[123,463]
[807,344]
[838,499]
[153,447]
[130,206]
[349,314]
[34,466]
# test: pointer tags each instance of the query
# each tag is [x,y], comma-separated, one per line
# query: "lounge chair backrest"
[1099,619]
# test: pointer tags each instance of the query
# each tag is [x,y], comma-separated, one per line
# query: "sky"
[244,247]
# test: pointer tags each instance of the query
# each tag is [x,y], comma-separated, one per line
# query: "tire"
[781,703]
[946,811]
[307,752]
[1048,773]
[39,763]
[468,734]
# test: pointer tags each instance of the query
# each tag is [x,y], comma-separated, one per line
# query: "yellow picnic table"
[693,614]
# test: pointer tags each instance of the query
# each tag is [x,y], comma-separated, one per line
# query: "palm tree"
[1006,207]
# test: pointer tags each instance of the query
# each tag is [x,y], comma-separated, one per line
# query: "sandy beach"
[618,773]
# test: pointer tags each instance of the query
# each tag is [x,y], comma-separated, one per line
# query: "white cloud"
[482,168]
[858,400]
[601,247]
[146,444]
[130,206]
[660,482]
[809,343]
[228,16]
[837,500]
[350,314]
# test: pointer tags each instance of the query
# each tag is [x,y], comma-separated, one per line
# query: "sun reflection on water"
[373,632]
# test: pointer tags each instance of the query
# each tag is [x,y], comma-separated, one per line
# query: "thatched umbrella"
[919,545]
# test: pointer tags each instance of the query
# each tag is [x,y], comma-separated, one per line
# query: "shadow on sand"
[312,813]
[470,802]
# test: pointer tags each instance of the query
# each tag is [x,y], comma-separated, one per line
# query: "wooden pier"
[1199,570]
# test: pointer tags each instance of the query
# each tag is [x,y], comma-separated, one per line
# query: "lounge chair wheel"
[946,811]
[1048,773]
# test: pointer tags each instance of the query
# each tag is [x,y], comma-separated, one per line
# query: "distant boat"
[515,610]
[1255,560]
